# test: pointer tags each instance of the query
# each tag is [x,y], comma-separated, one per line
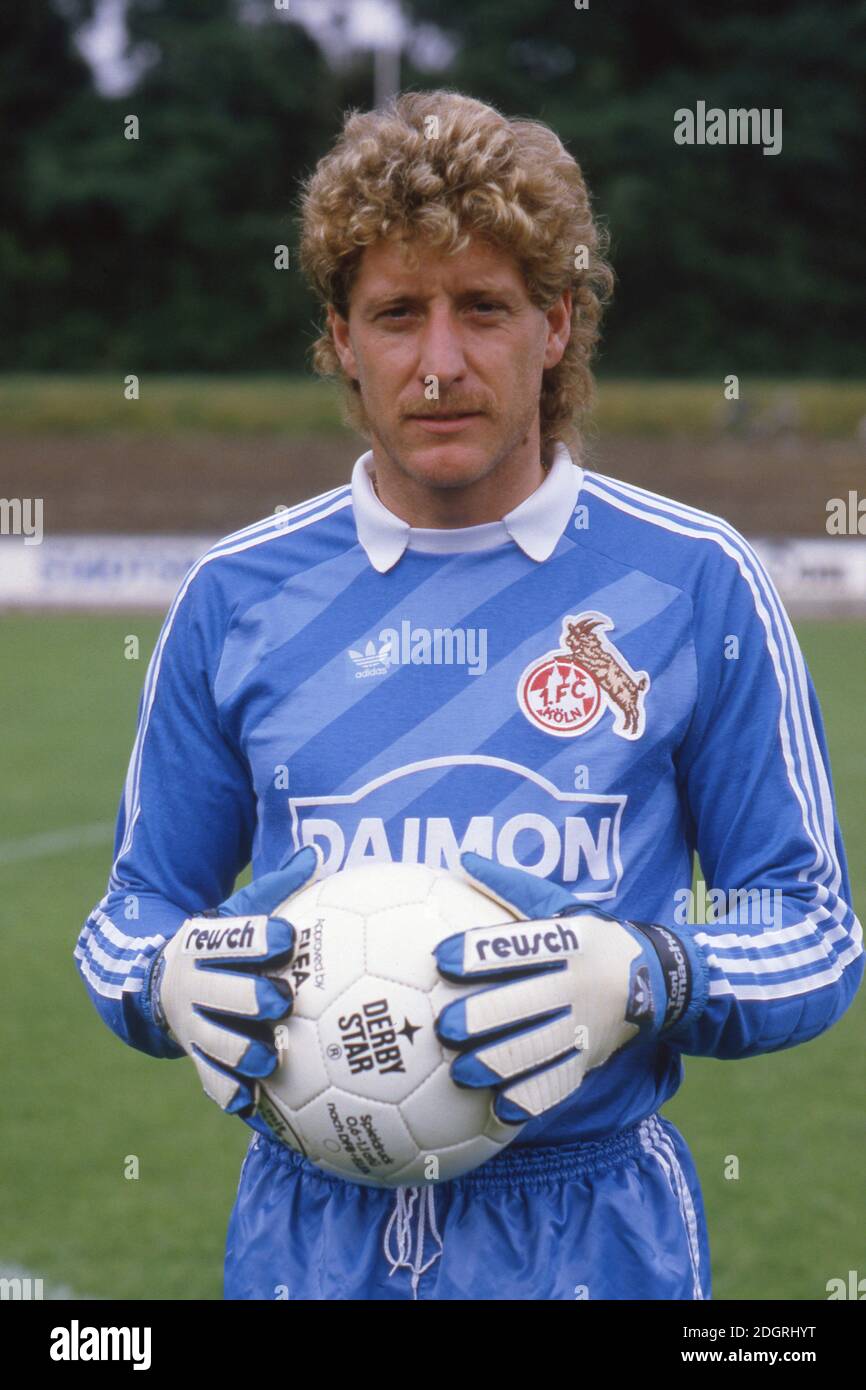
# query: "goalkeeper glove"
[211,988]
[566,988]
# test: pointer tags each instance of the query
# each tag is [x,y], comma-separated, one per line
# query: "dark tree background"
[157,253]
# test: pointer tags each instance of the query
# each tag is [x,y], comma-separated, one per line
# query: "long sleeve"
[185,823]
[784,963]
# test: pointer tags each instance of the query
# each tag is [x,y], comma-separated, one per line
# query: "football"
[363,1087]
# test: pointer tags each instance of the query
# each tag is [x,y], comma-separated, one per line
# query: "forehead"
[393,265]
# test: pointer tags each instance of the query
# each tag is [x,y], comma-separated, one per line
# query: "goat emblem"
[566,692]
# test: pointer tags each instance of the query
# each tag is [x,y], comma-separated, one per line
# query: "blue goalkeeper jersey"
[594,688]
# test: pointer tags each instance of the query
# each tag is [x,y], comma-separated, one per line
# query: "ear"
[558,329]
[339,328]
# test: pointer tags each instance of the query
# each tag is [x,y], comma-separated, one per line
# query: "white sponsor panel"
[825,574]
[96,572]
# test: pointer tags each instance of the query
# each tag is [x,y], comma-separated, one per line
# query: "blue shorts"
[618,1218]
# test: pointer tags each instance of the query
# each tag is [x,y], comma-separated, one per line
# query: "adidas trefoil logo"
[372,661]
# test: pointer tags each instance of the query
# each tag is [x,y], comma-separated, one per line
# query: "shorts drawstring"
[401,1219]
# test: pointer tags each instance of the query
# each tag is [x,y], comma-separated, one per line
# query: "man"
[641,697]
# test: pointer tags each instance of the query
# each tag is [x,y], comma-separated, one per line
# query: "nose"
[441,346]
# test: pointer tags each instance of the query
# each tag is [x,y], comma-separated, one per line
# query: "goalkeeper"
[642,699]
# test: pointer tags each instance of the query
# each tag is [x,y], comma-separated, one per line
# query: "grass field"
[259,404]
[77,1103]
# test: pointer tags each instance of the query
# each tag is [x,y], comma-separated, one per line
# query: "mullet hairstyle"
[441,166]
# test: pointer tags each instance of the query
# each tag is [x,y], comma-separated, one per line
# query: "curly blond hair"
[444,166]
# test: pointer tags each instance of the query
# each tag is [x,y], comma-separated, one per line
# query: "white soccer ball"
[363,1087]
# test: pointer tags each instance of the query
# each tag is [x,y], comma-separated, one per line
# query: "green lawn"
[77,1103]
[301,405]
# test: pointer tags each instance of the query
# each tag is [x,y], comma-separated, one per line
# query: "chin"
[448,465]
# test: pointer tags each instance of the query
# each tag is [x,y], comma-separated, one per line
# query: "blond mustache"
[447,410]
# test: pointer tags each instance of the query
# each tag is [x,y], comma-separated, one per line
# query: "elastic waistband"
[524,1167]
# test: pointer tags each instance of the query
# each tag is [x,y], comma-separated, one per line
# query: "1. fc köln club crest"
[567,691]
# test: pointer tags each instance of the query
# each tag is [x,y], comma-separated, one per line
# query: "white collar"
[535,525]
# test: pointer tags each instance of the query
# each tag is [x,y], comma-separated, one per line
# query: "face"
[421,320]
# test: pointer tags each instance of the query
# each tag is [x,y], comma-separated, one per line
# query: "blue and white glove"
[210,988]
[566,987]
